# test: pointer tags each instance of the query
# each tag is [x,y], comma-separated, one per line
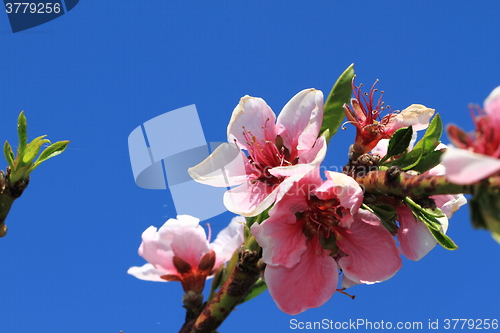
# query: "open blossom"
[370,128]
[476,156]
[274,150]
[313,229]
[180,251]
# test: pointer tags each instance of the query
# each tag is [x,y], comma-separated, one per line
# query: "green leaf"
[429,218]
[258,218]
[443,240]
[22,132]
[485,209]
[258,288]
[340,94]
[427,211]
[431,137]
[387,214]
[33,148]
[477,219]
[407,160]
[430,221]
[53,150]
[9,154]
[423,156]
[384,212]
[429,161]
[399,142]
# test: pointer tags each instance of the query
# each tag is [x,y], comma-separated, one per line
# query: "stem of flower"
[193,303]
[240,281]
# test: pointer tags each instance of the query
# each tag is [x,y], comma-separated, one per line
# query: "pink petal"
[225,167]
[228,240]
[316,154]
[466,167]
[309,284]
[308,160]
[253,115]
[372,255]
[148,273]
[188,239]
[299,187]
[381,148]
[250,199]
[415,240]
[300,120]
[157,252]
[281,236]
[345,189]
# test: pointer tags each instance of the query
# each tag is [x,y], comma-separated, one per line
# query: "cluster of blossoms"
[317,227]
[318,234]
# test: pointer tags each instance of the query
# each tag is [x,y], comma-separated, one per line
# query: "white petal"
[187,238]
[347,283]
[155,251]
[415,115]
[228,240]
[225,167]
[250,199]
[491,100]
[147,273]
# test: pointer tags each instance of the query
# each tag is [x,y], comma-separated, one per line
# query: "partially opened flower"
[476,156]
[180,251]
[415,239]
[371,128]
[314,228]
[275,150]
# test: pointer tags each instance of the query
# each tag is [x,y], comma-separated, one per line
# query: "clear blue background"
[96,73]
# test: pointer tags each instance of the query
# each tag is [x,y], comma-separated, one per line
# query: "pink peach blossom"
[180,251]
[275,150]
[476,156]
[314,228]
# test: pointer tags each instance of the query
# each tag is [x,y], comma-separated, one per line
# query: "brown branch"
[238,284]
[8,193]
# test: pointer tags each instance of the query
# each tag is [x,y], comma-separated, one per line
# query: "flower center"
[487,136]
[264,155]
[366,112]
[322,218]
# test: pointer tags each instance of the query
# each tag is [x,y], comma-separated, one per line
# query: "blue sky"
[96,73]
